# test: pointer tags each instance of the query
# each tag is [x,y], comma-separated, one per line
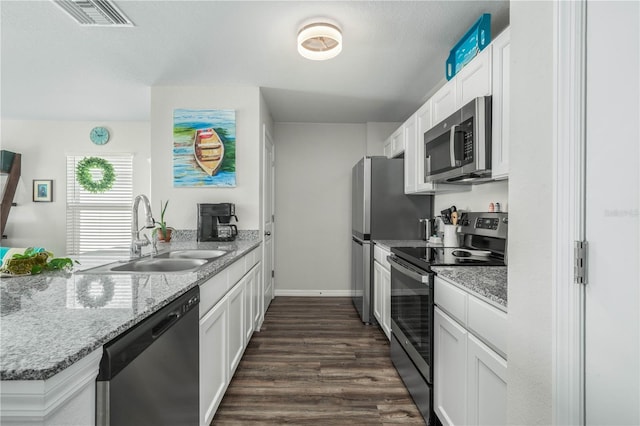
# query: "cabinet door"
[257,297]
[449,368]
[501,114]
[377,292]
[248,306]
[214,368]
[387,148]
[474,79]
[444,102]
[410,158]
[397,142]
[236,337]
[423,123]
[386,301]
[487,385]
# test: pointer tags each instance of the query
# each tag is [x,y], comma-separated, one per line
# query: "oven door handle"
[407,270]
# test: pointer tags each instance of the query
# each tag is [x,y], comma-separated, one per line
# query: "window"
[99,221]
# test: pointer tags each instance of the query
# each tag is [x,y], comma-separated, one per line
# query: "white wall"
[530,221]
[44,146]
[182,211]
[377,133]
[313,206]
[475,200]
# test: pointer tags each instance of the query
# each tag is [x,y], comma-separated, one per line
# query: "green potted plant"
[162,230]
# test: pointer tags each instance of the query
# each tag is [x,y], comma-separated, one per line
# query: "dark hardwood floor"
[315,362]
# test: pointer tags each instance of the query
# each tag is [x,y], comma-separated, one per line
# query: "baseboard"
[313,293]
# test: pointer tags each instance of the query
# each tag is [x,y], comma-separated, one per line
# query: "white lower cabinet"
[227,327]
[470,377]
[486,385]
[214,367]
[382,289]
[236,337]
[382,297]
[449,373]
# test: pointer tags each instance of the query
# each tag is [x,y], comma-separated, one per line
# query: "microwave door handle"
[427,166]
[452,145]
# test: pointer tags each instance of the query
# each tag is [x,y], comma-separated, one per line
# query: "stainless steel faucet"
[136,242]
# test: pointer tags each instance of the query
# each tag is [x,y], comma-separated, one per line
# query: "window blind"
[99,221]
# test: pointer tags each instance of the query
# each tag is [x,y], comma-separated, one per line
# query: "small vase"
[164,237]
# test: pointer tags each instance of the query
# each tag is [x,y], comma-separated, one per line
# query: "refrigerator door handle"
[357,240]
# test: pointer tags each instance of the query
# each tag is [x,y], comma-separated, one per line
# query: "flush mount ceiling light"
[319,41]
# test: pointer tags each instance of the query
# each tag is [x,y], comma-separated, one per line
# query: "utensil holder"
[451,238]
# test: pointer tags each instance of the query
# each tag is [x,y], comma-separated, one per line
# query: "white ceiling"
[394,54]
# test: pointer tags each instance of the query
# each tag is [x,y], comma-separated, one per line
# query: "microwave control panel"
[467,127]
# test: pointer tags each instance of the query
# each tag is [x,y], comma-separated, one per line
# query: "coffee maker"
[213,222]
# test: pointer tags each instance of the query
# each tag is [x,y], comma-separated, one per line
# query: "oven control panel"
[487,223]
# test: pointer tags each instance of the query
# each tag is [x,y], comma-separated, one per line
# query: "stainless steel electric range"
[484,244]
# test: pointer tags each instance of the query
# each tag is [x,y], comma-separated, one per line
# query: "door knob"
[267,233]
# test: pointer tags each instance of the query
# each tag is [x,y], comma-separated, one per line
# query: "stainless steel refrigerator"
[380,211]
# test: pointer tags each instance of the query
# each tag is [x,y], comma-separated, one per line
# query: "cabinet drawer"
[237,270]
[489,324]
[380,255]
[253,258]
[211,291]
[451,299]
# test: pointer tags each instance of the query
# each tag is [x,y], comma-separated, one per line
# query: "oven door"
[412,312]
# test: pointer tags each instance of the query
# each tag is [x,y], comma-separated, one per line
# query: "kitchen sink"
[160,265]
[194,254]
[172,261]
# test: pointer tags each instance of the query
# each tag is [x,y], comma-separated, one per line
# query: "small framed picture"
[43,191]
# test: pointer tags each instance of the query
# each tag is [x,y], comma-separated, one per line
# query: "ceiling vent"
[101,13]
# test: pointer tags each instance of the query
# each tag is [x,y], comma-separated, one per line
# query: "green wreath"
[86,299]
[84,178]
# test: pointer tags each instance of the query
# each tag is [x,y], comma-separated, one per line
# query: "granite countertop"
[52,320]
[487,282]
[402,243]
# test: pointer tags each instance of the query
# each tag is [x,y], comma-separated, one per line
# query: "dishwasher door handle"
[165,324]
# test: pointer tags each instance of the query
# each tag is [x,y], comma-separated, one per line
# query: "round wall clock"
[99,135]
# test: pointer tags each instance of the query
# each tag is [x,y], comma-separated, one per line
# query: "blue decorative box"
[477,38]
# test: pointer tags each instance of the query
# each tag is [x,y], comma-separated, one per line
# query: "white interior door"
[612,293]
[268,215]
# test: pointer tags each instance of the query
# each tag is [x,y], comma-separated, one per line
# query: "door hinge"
[273,218]
[580,262]
[273,273]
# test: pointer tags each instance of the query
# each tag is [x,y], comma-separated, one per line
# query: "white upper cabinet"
[396,143]
[444,102]
[501,105]
[486,75]
[474,80]
[409,129]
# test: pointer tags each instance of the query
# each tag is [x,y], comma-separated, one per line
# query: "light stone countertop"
[52,320]
[487,282]
[387,244]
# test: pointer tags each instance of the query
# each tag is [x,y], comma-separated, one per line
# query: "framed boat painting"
[204,148]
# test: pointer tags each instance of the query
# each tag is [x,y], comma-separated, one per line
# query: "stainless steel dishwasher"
[149,375]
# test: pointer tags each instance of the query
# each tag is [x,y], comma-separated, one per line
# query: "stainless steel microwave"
[458,149]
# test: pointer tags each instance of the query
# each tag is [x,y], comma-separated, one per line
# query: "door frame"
[568,322]
[266,269]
